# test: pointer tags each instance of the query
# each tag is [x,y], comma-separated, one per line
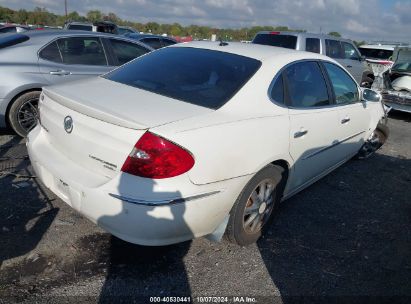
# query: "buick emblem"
[68,124]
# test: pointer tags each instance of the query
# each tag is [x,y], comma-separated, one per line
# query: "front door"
[313,122]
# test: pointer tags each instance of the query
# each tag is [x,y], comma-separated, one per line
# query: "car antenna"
[223,43]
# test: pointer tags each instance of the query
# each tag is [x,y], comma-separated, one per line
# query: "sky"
[370,20]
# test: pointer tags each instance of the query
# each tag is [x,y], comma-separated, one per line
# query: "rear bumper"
[131,208]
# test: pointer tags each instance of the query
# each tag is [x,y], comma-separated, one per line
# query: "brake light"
[274,33]
[156,157]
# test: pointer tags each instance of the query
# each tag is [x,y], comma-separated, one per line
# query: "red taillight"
[274,33]
[156,157]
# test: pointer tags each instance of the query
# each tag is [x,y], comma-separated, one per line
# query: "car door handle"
[349,66]
[345,120]
[60,73]
[300,133]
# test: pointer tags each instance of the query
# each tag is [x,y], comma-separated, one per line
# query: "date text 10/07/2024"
[234,299]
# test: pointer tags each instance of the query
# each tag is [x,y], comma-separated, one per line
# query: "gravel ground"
[347,238]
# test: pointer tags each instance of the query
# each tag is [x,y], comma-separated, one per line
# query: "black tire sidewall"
[14,108]
[235,230]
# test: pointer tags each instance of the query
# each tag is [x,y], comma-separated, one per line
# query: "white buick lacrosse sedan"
[203,138]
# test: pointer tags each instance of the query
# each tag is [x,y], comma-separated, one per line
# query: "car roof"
[138,36]
[256,51]
[40,38]
[49,34]
[305,34]
[79,23]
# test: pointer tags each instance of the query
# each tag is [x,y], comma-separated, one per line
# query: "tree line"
[40,16]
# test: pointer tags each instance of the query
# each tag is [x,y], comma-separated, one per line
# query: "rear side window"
[155,43]
[277,90]
[285,41]
[306,85]
[51,53]
[312,45]
[10,40]
[333,48]
[345,88]
[202,77]
[82,50]
[80,27]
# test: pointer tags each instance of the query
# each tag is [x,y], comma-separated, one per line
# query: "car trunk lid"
[96,126]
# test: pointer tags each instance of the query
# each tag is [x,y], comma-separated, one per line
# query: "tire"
[23,113]
[238,231]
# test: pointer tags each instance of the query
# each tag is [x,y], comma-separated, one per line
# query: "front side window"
[155,43]
[10,40]
[312,45]
[8,29]
[198,76]
[126,51]
[51,53]
[82,50]
[167,42]
[306,85]
[345,88]
[333,48]
[349,51]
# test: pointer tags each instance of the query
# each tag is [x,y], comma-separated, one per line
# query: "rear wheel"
[255,206]
[23,113]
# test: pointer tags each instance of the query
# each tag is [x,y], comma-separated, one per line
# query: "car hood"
[120,104]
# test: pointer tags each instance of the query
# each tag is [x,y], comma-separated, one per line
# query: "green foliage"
[40,16]
[335,34]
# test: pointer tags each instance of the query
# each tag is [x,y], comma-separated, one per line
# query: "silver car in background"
[31,60]
[342,50]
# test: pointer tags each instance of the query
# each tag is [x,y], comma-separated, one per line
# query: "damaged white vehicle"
[395,83]
[200,138]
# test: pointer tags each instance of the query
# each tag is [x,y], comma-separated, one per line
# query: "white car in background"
[200,138]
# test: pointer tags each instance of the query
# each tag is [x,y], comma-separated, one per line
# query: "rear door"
[313,121]
[72,58]
[354,115]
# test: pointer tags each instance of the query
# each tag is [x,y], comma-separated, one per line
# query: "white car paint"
[229,145]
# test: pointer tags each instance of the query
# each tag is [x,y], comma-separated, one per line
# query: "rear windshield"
[202,77]
[80,27]
[12,39]
[375,53]
[285,41]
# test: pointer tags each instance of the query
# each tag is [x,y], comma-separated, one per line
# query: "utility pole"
[65,7]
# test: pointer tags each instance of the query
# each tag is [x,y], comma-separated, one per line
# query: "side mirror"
[362,58]
[370,95]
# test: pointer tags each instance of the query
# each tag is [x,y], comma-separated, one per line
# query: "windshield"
[12,39]
[202,77]
[376,53]
[285,41]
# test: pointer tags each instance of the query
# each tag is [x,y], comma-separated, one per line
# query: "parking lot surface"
[347,235]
